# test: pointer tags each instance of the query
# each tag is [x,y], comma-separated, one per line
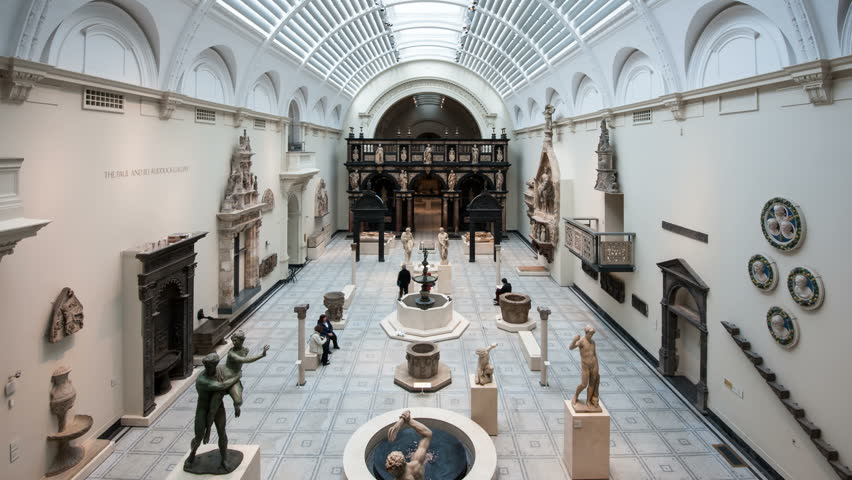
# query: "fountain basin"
[480,451]
[423,359]
[436,324]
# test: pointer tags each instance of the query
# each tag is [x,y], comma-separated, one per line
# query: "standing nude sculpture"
[209,411]
[233,367]
[407,239]
[484,368]
[395,464]
[443,245]
[591,374]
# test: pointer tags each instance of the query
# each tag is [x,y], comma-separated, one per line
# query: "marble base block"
[348,294]
[249,469]
[586,448]
[483,405]
[311,362]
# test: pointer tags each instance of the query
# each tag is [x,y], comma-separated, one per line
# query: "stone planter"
[423,359]
[333,302]
[515,307]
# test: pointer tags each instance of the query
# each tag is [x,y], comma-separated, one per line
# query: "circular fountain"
[460,448]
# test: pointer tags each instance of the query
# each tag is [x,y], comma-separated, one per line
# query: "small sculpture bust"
[484,368]
[779,328]
[395,463]
[451,180]
[758,270]
[591,377]
[380,155]
[427,154]
[407,239]
[474,154]
[443,245]
[354,180]
[802,289]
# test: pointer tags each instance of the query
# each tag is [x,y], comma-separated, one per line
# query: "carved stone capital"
[677,106]
[815,80]
[168,103]
[16,84]
[571,125]
[543,313]
[239,116]
[301,310]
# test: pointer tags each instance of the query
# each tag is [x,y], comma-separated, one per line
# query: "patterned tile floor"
[302,430]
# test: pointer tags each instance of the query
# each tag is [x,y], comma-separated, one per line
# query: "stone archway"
[426,190]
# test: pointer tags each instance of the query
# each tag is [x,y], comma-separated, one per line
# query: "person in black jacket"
[402,281]
[328,331]
[506,288]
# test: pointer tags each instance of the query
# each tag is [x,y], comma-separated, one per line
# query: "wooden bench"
[531,350]
[348,290]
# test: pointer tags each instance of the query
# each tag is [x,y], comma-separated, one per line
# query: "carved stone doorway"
[683,351]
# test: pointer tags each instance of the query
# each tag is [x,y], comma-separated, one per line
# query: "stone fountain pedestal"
[444,272]
[410,323]
[514,313]
[422,370]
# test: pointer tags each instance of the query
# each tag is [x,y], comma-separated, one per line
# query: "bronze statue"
[233,366]
[591,374]
[395,463]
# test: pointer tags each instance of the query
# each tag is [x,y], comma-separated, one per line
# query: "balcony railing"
[407,150]
[602,251]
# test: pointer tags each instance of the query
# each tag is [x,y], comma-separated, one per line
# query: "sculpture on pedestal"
[443,245]
[474,154]
[380,155]
[333,302]
[233,367]
[499,154]
[403,155]
[407,239]
[451,180]
[355,154]
[499,181]
[321,199]
[66,318]
[452,154]
[427,154]
[209,411]
[542,196]
[607,176]
[484,368]
[403,180]
[396,463]
[62,396]
[591,377]
[354,180]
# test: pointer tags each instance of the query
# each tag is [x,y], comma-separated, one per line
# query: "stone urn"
[515,307]
[333,302]
[62,396]
[423,359]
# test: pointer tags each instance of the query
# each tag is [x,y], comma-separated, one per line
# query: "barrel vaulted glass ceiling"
[348,42]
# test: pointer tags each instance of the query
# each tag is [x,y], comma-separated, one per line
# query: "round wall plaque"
[763,272]
[806,288]
[782,224]
[783,327]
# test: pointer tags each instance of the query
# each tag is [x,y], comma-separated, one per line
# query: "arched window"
[209,78]
[589,97]
[638,80]
[103,40]
[262,97]
[295,130]
[739,42]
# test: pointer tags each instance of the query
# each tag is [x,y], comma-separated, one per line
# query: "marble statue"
[210,411]
[548,119]
[354,180]
[499,154]
[474,154]
[233,367]
[380,155]
[451,180]
[545,194]
[355,154]
[396,463]
[66,317]
[403,180]
[591,377]
[452,154]
[321,199]
[407,239]
[500,180]
[403,155]
[62,395]
[484,368]
[443,245]
[427,154]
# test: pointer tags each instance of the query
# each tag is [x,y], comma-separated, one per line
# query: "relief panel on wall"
[805,287]
[783,224]
[783,327]
[763,272]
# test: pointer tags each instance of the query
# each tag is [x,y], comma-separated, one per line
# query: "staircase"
[814,432]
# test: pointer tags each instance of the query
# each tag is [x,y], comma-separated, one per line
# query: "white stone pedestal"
[249,469]
[586,448]
[483,405]
[311,361]
[348,294]
[445,279]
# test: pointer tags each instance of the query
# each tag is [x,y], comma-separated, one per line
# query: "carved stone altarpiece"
[542,198]
[607,181]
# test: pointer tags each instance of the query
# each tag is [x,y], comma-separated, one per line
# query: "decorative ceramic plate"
[783,327]
[805,286]
[782,224]
[763,272]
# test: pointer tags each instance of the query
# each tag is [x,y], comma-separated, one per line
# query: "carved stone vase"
[62,396]
[515,307]
[423,359]
[333,302]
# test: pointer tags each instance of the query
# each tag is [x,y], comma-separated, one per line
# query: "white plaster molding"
[190,28]
[32,29]
[239,116]
[675,104]
[815,80]
[16,82]
[664,53]
[168,103]
[805,37]
[13,228]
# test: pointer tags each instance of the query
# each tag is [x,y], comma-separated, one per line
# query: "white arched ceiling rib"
[181,50]
[664,52]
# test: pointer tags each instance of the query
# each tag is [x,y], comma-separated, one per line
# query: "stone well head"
[423,359]
[515,307]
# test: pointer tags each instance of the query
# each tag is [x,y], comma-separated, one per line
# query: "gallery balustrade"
[602,251]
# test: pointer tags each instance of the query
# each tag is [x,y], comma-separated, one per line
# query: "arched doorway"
[428,116]
[295,129]
[470,187]
[427,189]
[294,230]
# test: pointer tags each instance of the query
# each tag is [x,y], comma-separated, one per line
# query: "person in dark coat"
[402,281]
[506,288]
[328,331]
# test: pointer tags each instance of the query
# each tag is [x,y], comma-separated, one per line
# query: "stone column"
[398,219]
[444,208]
[472,242]
[226,268]
[352,247]
[497,254]
[410,198]
[456,212]
[301,313]
[543,313]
